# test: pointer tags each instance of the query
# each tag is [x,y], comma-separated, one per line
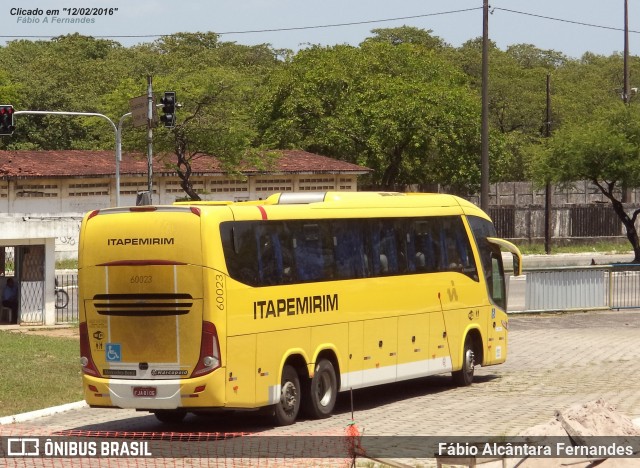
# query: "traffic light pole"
[91,114]
[150,108]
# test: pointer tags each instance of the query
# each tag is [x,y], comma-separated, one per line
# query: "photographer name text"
[60,16]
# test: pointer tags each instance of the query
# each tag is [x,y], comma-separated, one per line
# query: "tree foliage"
[403,103]
[605,151]
[396,107]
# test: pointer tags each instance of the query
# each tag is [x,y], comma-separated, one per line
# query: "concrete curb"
[23,417]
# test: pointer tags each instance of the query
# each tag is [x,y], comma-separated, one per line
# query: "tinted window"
[490,258]
[262,253]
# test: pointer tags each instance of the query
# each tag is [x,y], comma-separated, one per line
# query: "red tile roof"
[86,163]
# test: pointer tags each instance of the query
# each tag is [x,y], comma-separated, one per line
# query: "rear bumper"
[201,392]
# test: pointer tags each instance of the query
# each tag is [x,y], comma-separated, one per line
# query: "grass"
[67,264]
[38,372]
[595,246]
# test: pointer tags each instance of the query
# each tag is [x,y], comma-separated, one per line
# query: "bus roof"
[355,200]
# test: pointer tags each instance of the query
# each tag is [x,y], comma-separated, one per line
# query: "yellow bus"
[280,304]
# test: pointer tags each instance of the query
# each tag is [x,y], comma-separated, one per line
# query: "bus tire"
[320,397]
[286,410]
[464,377]
[170,416]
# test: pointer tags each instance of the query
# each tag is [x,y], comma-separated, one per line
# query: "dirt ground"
[57,331]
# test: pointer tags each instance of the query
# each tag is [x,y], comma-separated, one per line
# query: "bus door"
[496,283]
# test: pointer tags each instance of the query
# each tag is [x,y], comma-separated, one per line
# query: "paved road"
[554,361]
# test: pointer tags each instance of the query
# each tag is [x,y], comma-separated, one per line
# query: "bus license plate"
[144,391]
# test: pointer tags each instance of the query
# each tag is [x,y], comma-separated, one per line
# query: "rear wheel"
[170,416]
[286,410]
[464,376]
[320,397]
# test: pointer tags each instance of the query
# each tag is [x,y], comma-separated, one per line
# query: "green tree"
[517,97]
[407,35]
[216,84]
[605,151]
[68,73]
[399,108]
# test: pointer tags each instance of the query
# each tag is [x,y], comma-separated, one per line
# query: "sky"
[547,24]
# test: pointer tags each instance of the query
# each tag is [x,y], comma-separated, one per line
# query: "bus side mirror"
[517,267]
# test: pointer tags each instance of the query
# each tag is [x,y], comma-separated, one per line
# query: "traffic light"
[168,102]
[6,120]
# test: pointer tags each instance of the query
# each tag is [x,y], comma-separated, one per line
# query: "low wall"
[64,228]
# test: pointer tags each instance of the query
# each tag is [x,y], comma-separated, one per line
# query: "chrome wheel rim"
[325,391]
[288,397]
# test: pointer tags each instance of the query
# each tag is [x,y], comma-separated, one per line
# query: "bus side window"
[389,247]
[457,250]
[406,248]
[286,249]
[269,256]
[384,248]
[427,252]
[469,267]
[496,282]
[240,251]
[450,254]
[308,252]
[349,249]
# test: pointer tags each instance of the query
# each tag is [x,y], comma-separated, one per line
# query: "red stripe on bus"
[262,212]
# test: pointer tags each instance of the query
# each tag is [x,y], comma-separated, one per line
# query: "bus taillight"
[88,366]
[209,359]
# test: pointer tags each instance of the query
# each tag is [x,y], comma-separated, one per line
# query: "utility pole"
[547,188]
[150,108]
[484,160]
[626,92]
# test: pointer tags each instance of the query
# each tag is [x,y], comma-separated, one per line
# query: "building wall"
[79,195]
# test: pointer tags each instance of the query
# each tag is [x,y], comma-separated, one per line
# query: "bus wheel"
[464,376]
[286,410]
[320,398]
[170,416]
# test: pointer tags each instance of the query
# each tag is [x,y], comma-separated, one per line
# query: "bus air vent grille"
[157,304]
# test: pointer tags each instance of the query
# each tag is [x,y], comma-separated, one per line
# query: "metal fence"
[66,298]
[567,222]
[583,288]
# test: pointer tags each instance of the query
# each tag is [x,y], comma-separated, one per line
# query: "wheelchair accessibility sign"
[113,352]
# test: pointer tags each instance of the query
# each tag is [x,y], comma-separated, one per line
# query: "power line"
[355,23]
[296,28]
[562,20]
[336,25]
